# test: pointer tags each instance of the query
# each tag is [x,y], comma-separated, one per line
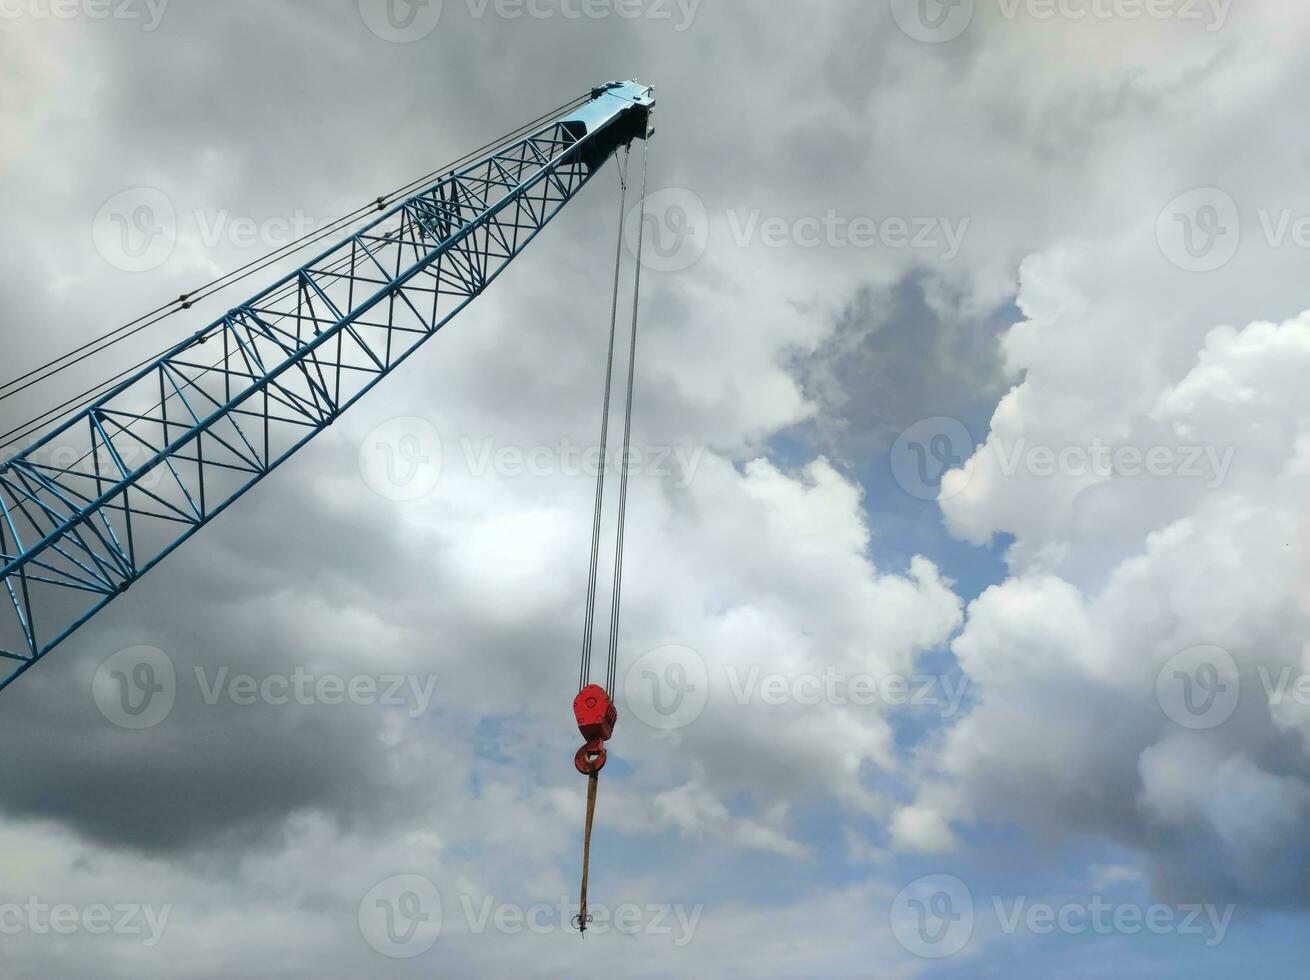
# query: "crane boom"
[179,441]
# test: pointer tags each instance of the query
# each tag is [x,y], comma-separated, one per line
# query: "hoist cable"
[584,675]
[106,340]
[613,661]
[591,757]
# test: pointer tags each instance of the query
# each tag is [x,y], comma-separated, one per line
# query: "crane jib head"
[618,113]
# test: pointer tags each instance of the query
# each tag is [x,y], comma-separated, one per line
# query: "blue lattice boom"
[173,446]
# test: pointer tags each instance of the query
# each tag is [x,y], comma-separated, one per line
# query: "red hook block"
[596,715]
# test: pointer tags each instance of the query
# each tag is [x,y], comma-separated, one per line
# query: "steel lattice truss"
[172,447]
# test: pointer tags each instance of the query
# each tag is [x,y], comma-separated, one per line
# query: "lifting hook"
[596,715]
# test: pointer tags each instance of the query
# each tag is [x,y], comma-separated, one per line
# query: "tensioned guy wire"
[112,337]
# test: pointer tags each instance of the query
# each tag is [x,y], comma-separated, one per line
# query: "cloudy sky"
[968,568]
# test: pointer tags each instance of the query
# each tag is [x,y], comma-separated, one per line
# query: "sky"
[967,569]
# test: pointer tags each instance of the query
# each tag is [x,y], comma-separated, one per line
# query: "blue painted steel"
[176,444]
